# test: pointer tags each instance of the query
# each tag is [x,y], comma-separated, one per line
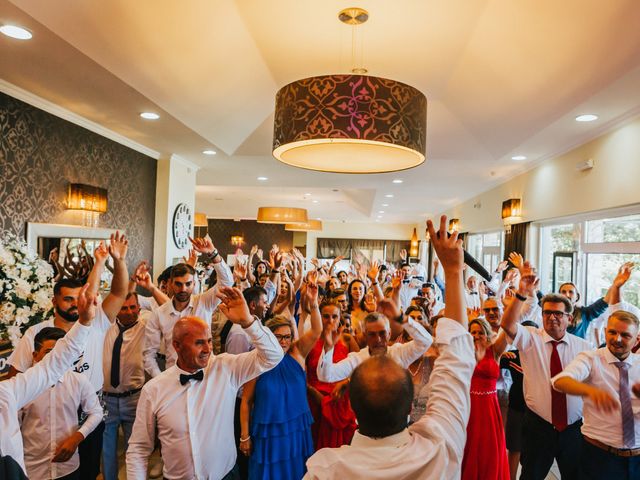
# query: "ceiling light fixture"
[389,195]
[350,123]
[263,179]
[587,117]
[150,116]
[315,201]
[209,152]
[518,158]
[380,211]
[282,215]
[385,204]
[16,32]
[413,250]
[397,180]
[311,225]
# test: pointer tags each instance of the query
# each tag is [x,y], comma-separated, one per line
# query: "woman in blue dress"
[275,418]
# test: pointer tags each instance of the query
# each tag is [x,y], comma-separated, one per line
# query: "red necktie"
[558,399]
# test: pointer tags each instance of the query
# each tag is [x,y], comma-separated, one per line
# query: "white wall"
[556,189]
[176,184]
[375,231]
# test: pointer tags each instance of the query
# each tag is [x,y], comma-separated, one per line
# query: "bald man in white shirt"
[381,393]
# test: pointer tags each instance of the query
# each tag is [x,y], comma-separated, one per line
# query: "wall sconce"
[90,200]
[237,240]
[454,225]
[413,249]
[511,212]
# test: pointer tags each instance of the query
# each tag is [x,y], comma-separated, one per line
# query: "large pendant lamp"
[311,225]
[350,123]
[282,215]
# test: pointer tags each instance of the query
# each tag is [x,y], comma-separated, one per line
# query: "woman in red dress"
[334,421]
[485,453]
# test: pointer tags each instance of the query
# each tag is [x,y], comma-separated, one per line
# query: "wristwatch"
[522,298]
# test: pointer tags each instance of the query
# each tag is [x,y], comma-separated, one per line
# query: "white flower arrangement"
[26,289]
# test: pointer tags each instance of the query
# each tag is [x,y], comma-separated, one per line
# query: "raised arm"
[223,272]
[143,279]
[111,305]
[152,339]
[308,339]
[252,253]
[246,405]
[527,288]
[372,273]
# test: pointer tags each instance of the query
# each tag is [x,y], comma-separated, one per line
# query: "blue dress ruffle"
[281,424]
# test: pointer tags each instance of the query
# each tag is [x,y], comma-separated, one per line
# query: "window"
[486,248]
[589,253]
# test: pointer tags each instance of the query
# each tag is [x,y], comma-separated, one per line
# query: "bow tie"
[199,375]
[473,293]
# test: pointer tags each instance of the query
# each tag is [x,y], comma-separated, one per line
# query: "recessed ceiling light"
[16,32]
[389,195]
[209,152]
[263,179]
[150,116]
[385,204]
[397,180]
[380,211]
[307,194]
[587,117]
[315,201]
[518,157]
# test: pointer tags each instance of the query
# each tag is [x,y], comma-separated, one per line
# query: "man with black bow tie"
[190,405]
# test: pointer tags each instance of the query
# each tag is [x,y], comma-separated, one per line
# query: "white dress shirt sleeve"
[22,356]
[142,438]
[267,354]
[146,303]
[330,372]
[579,369]
[523,339]
[224,279]
[27,386]
[449,404]
[153,337]
[271,290]
[90,405]
[237,342]
[407,353]
[495,283]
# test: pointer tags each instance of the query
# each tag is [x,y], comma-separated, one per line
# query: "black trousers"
[542,443]
[596,464]
[90,452]
[242,462]
[75,475]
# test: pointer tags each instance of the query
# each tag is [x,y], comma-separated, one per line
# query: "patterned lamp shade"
[311,225]
[350,124]
[200,220]
[282,215]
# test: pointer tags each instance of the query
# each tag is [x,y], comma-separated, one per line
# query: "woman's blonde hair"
[486,328]
[279,321]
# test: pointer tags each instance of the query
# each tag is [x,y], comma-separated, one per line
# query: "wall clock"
[182,225]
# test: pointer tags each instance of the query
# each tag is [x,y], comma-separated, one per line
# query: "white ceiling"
[501,78]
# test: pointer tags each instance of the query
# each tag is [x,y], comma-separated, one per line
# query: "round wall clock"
[182,225]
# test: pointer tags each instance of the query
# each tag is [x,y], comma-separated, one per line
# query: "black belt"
[122,394]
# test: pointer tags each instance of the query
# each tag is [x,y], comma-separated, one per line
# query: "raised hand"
[278,257]
[142,277]
[87,304]
[311,291]
[234,306]
[254,250]
[203,245]
[516,259]
[259,254]
[240,271]
[389,309]
[502,266]
[624,273]
[397,278]
[374,269]
[337,259]
[403,254]
[101,253]
[510,275]
[370,302]
[528,280]
[447,247]
[118,246]
[192,259]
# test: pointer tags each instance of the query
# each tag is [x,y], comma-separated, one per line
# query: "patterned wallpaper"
[40,154]
[262,234]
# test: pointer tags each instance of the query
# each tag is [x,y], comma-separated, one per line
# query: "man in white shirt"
[65,301]
[433,306]
[381,394]
[551,426]
[23,388]
[190,405]
[604,378]
[471,294]
[50,431]
[123,368]
[183,304]
[377,333]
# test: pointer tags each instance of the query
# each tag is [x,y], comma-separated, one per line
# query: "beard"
[65,314]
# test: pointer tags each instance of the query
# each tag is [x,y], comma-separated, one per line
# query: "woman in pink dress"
[485,453]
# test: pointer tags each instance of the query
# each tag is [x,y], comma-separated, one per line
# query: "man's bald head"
[192,342]
[381,394]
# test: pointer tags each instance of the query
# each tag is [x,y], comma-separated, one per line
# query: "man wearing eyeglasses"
[551,427]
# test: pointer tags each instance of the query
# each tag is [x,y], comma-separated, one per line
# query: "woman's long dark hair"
[349,294]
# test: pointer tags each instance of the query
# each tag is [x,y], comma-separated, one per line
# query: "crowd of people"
[286,369]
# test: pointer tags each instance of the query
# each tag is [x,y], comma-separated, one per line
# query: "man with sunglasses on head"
[552,421]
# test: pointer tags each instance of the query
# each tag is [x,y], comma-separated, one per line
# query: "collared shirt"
[147,303]
[534,345]
[52,418]
[194,422]
[403,353]
[432,447]
[472,299]
[131,362]
[25,387]
[596,368]
[160,324]
[89,363]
